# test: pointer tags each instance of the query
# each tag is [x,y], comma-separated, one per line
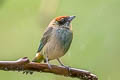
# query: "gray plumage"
[56,40]
[56,43]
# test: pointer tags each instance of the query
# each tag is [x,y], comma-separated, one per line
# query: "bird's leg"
[60,62]
[47,61]
[67,67]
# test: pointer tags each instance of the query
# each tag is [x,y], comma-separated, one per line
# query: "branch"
[24,64]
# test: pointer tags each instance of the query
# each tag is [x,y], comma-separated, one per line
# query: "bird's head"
[62,21]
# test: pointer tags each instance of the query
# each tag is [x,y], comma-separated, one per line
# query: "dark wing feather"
[45,38]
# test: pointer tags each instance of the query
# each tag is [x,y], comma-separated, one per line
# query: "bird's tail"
[38,58]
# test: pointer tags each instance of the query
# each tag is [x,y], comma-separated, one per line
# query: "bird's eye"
[62,21]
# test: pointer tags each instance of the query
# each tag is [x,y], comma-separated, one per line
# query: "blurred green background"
[96,43]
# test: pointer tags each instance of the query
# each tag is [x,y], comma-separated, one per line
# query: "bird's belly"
[58,44]
[53,49]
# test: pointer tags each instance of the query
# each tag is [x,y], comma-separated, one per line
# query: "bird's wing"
[45,38]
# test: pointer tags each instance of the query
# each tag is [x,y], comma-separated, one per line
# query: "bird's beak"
[70,18]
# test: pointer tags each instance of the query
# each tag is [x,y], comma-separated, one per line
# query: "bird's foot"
[27,72]
[67,67]
[49,66]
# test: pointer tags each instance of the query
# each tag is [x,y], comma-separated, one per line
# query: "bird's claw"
[49,66]
[67,67]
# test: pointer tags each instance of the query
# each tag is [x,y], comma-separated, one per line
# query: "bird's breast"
[59,43]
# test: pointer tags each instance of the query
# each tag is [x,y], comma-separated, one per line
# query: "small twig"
[24,64]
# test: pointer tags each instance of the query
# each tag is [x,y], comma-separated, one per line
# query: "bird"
[55,41]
